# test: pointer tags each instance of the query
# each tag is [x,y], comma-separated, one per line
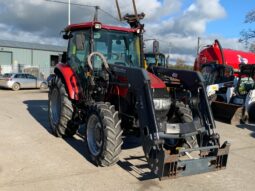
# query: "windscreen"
[152,59]
[121,48]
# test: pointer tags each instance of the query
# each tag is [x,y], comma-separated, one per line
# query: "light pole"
[169,52]
[69,12]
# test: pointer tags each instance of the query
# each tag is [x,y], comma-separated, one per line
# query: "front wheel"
[103,134]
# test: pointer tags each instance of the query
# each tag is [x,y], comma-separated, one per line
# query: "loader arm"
[160,160]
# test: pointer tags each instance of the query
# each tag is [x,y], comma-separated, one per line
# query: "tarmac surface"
[31,158]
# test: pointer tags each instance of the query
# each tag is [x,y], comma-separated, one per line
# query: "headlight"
[162,104]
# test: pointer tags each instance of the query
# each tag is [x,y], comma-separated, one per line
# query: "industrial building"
[39,59]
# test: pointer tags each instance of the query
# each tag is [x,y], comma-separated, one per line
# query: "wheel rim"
[15,86]
[55,106]
[43,86]
[94,135]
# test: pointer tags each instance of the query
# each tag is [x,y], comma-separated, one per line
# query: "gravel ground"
[31,158]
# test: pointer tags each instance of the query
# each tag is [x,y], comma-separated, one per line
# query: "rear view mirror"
[67,36]
[80,41]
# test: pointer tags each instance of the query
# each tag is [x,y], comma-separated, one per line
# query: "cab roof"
[92,24]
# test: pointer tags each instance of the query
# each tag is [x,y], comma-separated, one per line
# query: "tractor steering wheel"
[103,59]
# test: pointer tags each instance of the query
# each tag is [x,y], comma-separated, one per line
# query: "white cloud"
[175,28]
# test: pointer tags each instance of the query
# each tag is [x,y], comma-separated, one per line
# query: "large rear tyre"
[60,109]
[103,134]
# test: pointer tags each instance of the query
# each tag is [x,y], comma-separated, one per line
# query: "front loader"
[101,84]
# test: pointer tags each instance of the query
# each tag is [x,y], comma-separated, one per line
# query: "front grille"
[160,93]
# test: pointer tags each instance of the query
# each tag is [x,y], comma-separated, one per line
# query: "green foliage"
[180,64]
[184,67]
[247,36]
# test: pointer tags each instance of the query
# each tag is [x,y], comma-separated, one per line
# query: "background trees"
[248,36]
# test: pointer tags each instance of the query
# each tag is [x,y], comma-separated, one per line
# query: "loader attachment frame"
[161,161]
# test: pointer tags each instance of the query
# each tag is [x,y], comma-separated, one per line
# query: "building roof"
[28,45]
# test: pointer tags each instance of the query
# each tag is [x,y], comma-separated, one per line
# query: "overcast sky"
[175,23]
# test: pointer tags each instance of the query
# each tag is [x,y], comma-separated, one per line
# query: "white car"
[16,81]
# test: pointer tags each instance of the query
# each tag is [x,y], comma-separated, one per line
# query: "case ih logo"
[242,60]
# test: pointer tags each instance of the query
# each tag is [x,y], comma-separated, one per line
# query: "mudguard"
[70,80]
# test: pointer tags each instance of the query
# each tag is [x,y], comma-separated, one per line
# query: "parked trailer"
[215,53]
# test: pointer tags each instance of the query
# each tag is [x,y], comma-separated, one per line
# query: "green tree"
[180,62]
[247,36]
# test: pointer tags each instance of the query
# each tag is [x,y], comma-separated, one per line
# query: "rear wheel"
[103,134]
[43,86]
[60,109]
[15,86]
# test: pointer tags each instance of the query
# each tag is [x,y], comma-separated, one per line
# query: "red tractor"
[101,84]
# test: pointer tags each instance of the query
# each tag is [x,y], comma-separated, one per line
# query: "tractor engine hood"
[161,99]
[156,82]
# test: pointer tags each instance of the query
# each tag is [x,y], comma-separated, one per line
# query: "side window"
[23,75]
[31,76]
[18,76]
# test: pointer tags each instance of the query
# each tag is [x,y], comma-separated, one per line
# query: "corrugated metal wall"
[28,57]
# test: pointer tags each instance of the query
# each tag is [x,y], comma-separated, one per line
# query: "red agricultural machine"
[225,72]
[101,84]
[216,54]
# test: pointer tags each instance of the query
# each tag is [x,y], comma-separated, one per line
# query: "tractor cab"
[118,45]
[214,73]
[155,59]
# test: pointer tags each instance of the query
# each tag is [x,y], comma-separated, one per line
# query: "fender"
[69,77]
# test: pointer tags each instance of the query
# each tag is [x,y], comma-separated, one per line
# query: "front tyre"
[103,134]
[60,109]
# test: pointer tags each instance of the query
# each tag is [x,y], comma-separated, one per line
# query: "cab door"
[78,50]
